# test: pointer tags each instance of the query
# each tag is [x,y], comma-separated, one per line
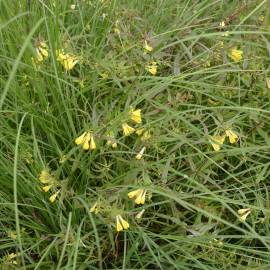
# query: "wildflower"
[73,6]
[45,176]
[12,235]
[217,141]
[53,197]
[135,115]
[87,141]
[243,213]
[47,188]
[139,195]
[10,258]
[94,208]
[222,24]
[92,145]
[232,136]
[225,34]
[152,68]
[68,61]
[236,55]
[140,154]
[147,47]
[140,214]
[146,135]
[41,51]
[121,224]
[140,131]
[111,141]
[127,130]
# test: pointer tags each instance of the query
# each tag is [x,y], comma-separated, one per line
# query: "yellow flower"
[45,176]
[10,258]
[232,136]
[73,6]
[217,141]
[87,141]
[68,61]
[12,235]
[94,208]
[243,213]
[47,188]
[116,30]
[222,24]
[41,51]
[135,115]
[92,145]
[146,135]
[140,214]
[121,224]
[236,55]
[140,154]
[152,68]
[147,47]
[127,130]
[138,195]
[53,197]
[140,131]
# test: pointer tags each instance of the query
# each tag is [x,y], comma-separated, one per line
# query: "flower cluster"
[218,140]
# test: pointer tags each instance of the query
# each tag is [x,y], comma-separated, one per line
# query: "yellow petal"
[86,144]
[44,52]
[39,56]
[140,214]
[124,223]
[80,139]
[69,63]
[140,154]
[127,130]
[236,55]
[147,47]
[92,144]
[118,224]
[53,197]
[243,217]
[146,136]
[136,116]
[45,177]
[47,188]
[243,211]
[217,141]
[114,145]
[140,131]
[152,68]
[134,193]
[141,197]
[232,136]
[94,209]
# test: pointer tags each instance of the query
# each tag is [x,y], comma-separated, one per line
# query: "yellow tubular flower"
[94,208]
[147,47]
[86,144]
[135,115]
[140,214]
[243,213]
[80,139]
[140,154]
[92,143]
[53,197]
[217,141]
[118,224]
[152,68]
[68,61]
[236,55]
[127,130]
[47,188]
[45,177]
[125,224]
[139,195]
[232,136]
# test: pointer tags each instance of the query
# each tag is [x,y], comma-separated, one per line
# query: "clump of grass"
[134,135]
